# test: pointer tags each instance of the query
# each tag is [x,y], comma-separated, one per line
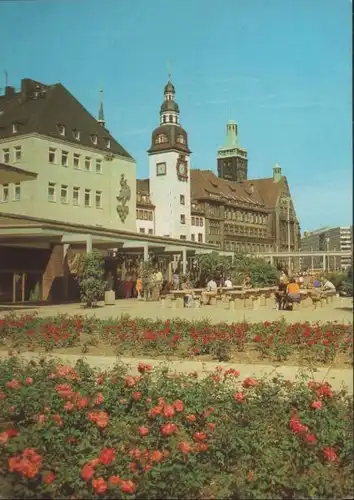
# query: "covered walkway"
[38,253]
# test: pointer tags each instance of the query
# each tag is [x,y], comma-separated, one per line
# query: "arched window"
[171,118]
[164,118]
[180,139]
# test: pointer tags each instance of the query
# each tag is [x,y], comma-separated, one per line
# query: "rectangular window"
[76,134]
[76,160]
[64,158]
[146,216]
[197,219]
[182,199]
[200,237]
[150,216]
[87,197]
[64,194]
[51,155]
[183,237]
[108,143]
[193,237]
[142,230]
[17,192]
[51,191]
[17,153]
[61,129]
[98,166]
[76,196]
[5,193]
[193,221]
[14,128]
[7,155]
[87,163]
[151,231]
[183,219]
[98,199]
[201,220]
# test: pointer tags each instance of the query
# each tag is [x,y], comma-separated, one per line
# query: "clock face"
[161,169]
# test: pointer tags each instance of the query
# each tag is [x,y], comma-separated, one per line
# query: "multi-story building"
[328,239]
[145,210]
[84,175]
[229,211]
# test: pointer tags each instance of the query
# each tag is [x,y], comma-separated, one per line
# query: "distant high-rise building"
[327,239]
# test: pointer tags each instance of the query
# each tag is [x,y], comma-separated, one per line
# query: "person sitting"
[316,283]
[280,294]
[211,291]
[293,293]
[247,283]
[228,283]
[188,298]
[328,288]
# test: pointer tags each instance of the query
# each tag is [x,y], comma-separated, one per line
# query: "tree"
[90,276]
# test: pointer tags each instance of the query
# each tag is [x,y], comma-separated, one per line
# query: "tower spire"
[100,111]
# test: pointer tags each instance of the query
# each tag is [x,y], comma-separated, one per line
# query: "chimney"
[277,173]
[9,91]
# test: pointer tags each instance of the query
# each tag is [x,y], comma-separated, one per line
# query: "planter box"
[110,298]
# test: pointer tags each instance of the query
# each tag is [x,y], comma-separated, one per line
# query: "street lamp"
[288,200]
[327,241]
[312,260]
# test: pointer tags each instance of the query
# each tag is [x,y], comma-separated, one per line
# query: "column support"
[184,261]
[88,243]
[324,262]
[146,252]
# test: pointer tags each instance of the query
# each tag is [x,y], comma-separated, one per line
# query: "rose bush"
[70,432]
[278,340]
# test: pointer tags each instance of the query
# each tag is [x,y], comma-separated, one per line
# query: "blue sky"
[280,68]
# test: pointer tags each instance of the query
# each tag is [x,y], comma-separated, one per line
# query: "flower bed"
[276,341]
[74,433]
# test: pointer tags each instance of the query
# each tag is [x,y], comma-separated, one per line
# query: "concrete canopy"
[10,174]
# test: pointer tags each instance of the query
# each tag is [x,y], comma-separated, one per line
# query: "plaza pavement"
[341,310]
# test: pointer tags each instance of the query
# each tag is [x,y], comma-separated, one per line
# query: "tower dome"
[169,135]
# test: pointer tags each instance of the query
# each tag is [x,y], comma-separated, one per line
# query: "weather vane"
[169,74]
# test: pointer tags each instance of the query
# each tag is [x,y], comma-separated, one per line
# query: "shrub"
[182,338]
[90,276]
[70,432]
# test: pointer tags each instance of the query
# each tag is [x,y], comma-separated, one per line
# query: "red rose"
[48,478]
[99,399]
[130,381]
[142,367]
[29,381]
[199,436]
[330,454]
[316,405]
[82,402]
[156,456]
[136,396]
[4,438]
[201,447]
[168,411]
[239,396]
[184,447]
[249,382]
[87,472]
[68,406]
[191,418]
[143,431]
[127,487]
[178,405]
[99,485]
[114,480]
[107,456]
[310,439]
[168,429]
[212,426]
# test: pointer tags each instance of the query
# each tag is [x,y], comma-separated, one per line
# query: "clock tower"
[232,159]
[169,171]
